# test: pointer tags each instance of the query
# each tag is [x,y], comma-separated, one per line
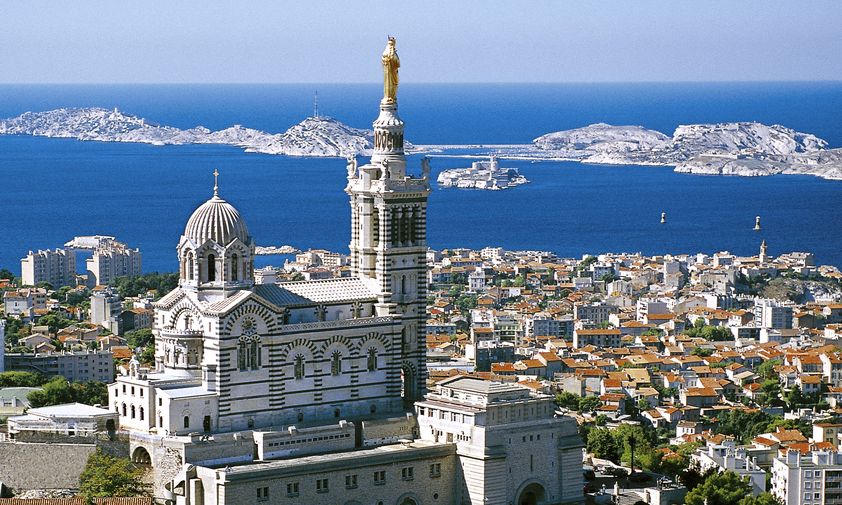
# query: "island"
[738,148]
[481,175]
[315,136]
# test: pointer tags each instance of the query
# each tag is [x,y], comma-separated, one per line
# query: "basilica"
[315,391]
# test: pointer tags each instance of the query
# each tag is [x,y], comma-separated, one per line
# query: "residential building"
[78,366]
[57,267]
[727,457]
[111,259]
[106,308]
[596,313]
[597,337]
[770,313]
[811,479]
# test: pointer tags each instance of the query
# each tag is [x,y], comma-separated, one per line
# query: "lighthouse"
[757,223]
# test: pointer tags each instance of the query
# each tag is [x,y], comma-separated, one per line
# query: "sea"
[54,189]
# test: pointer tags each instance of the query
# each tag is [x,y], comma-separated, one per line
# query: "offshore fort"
[481,175]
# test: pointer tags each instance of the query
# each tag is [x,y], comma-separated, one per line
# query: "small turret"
[764,257]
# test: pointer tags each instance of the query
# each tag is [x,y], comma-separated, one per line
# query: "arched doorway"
[141,456]
[407,500]
[409,387]
[532,494]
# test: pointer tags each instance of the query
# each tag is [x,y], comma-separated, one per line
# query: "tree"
[567,400]
[137,285]
[771,392]
[603,445]
[21,380]
[55,392]
[105,476]
[761,499]
[794,398]
[589,403]
[58,391]
[139,338]
[5,274]
[54,321]
[725,488]
[767,368]
[147,357]
[90,393]
[13,330]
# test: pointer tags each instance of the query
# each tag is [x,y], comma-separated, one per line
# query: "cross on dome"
[215,182]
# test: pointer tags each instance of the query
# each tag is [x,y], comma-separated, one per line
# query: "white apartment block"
[727,457]
[82,366]
[814,479]
[57,267]
[770,313]
[105,309]
[596,313]
[112,259]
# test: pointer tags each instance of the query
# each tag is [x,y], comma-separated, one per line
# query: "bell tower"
[389,234]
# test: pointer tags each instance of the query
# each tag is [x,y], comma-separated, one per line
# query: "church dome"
[216,220]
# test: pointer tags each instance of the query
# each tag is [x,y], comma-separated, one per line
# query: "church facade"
[282,384]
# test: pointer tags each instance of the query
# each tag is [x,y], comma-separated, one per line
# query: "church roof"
[216,220]
[318,291]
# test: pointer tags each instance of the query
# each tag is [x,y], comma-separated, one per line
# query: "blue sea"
[54,189]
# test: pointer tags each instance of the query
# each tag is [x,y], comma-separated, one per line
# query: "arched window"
[403,284]
[189,266]
[336,363]
[211,268]
[234,273]
[299,367]
[124,410]
[248,353]
[133,412]
[372,359]
[141,413]
[186,421]
[241,355]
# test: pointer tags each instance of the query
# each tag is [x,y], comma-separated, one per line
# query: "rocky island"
[317,136]
[481,175]
[744,149]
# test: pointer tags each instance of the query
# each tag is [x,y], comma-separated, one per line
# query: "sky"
[261,41]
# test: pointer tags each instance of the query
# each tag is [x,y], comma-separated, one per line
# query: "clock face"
[248,325]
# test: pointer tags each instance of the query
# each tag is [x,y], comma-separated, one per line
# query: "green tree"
[138,285]
[603,445]
[5,274]
[90,393]
[767,368]
[21,380]
[725,488]
[147,357]
[13,330]
[794,398]
[589,403]
[761,499]
[139,338]
[54,321]
[771,393]
[55,392]
[106,476]
[567,400]
[58,391]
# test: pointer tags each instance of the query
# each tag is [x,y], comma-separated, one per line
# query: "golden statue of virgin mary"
[391,63]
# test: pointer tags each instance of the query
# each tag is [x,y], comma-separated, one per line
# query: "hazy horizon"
[472,41]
